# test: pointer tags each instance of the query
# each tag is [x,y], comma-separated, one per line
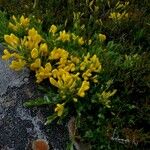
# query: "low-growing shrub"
[95,68]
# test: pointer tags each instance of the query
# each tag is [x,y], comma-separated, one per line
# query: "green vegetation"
[107,41]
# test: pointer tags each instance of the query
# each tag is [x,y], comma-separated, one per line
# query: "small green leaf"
[50,119]
[70,146]
[37,102]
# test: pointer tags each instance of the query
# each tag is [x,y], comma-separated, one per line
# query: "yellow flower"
[89,42]
[12,40]
[39,20]
[59,109]
[113,16]
[81,41]
[86,58]
[95,64]
[90,64]
[6,55]
[35,40]
[116,16]
[104,97]
[84,87]
[30,44]
[32,40]
[58,53]
[53,29]
[75,60]
[87,74]
[70,67]
[34,53]
[62,62]
[73,85]
[43,49]
[17,56]
[14,18]
[75,99]
[43,73]
[65,80]
[55,73]
[74,37]
[85,63]
[107,95]
[36,65]
[64,36]
[32,32]
[24,21]
[48,67]
[94,79]
[102,37]
[12,26]
[83,66]
[17,65]
[126,15]
[53,82]
[60,84]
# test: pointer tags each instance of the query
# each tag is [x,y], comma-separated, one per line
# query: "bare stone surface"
[11,78]
[19,126]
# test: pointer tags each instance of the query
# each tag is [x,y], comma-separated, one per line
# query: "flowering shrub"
[72,75]
[64,71]
[94,68]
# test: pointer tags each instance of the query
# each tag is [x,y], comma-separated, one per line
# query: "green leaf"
[50,119]
[70,146]
[38,102]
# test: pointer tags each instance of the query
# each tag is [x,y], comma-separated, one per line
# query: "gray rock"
[10,78]
[19,126]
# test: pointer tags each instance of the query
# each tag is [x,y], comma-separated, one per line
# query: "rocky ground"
[19,126]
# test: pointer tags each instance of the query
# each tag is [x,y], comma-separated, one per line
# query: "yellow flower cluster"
[116,16]
[12,40]
[102,37]
[66,78]
[53,29]
[36,64]
[59,109]
[58,53]
[89,66]
[60,76]
[63,79]
[104,97]
[43,72]
[107,95]
[70,74]
[79,40]
[67,71]
[84,87]
[63,36]
[31,46]
[7,55]
[32,40]
[16,64]
[17,24]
